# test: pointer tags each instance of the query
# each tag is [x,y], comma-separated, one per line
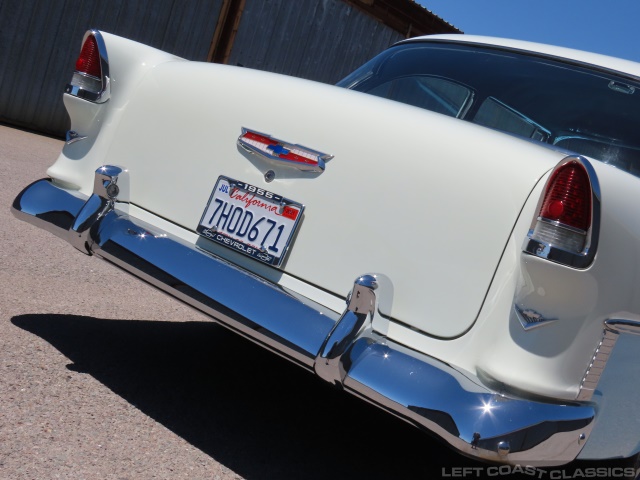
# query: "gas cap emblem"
[281,153]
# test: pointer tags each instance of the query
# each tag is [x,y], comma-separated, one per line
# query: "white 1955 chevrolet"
[452,236]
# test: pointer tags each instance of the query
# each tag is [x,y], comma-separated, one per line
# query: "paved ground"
[102,377]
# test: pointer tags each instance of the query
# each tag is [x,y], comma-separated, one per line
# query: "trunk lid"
[425,199]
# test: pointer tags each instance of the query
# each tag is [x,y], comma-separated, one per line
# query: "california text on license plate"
[250,220]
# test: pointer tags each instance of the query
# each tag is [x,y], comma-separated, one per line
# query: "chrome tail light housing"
[567,223]
[91,79]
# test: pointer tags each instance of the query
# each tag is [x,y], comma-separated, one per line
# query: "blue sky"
[611,27]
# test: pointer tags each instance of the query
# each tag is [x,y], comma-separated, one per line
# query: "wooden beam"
[226,30]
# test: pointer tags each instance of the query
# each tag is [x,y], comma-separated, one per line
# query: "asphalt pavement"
[103,377]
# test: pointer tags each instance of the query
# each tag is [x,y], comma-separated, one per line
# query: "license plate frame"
[250,220]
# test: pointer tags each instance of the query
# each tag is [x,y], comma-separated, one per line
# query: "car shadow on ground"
[251,410]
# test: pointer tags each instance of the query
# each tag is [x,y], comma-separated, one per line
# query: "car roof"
[603,61]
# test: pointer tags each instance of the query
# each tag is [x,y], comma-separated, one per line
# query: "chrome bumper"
[342,349]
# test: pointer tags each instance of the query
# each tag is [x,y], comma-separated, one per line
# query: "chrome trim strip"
[105,93]
[433,396]
[613,328]
[558,255]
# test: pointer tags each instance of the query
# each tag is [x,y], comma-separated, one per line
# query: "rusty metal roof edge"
[435,15]
[405,16]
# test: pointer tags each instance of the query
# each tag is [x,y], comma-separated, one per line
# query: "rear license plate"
[250,220]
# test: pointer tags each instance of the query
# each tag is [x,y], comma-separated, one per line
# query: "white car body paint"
[448,205]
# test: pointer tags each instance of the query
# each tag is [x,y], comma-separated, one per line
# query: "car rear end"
[375,244]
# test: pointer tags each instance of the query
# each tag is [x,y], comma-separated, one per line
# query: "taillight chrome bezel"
[555,253]
[103,93]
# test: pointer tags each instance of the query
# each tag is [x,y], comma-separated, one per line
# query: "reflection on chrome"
[487,407]
[143,234]
[72,137]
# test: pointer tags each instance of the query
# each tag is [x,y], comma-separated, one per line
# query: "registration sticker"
[250,220]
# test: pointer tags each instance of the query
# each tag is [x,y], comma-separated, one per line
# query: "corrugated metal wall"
[322,40]
[40,40]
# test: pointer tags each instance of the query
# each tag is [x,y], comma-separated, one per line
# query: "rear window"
[586,110]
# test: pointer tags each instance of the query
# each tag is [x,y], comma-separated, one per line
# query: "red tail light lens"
[563,231]
[91,79]
[568,197]
[566,227]
[89,60]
